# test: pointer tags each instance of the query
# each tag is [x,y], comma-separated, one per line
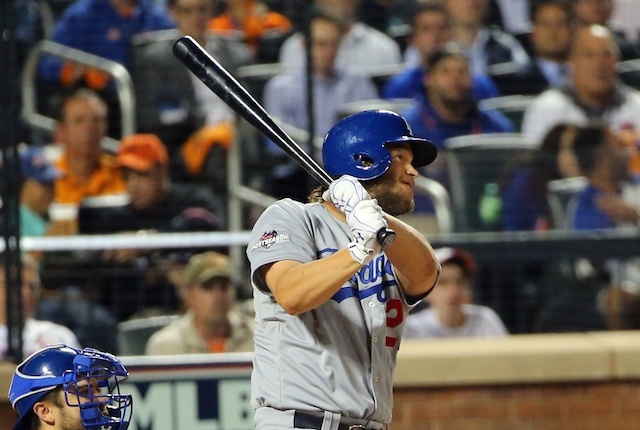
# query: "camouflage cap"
[206,266]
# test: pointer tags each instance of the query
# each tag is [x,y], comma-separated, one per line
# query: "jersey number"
[395,316]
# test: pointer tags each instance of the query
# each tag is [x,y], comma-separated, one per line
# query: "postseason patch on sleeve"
[269,238]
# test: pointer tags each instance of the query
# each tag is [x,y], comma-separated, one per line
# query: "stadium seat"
[133,334]
[474,161]
[513,107]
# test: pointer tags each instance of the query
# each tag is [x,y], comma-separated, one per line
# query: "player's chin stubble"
[383,189]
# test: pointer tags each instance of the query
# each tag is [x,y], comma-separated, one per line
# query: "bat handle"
[385,237]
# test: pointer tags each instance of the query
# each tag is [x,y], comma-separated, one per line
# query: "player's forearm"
[303,287]
[413,257]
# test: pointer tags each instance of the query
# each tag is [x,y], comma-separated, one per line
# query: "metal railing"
[120,75]
[238,195]
[441,202]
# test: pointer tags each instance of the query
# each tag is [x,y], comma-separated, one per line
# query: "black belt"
[308,421]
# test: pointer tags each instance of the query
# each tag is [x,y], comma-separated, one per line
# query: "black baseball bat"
[236,96]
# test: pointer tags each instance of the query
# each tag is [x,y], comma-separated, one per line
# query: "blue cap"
[35,165]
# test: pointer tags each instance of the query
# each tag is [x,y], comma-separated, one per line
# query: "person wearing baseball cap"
[36,192]
[155,201]
[142,152]
[450,312]
[213,321]
[145,161]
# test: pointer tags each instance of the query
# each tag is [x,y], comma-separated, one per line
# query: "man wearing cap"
[212,322]
[155,202]
[450,312]
[36,193]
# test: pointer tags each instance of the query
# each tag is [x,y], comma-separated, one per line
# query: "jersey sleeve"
[283,232]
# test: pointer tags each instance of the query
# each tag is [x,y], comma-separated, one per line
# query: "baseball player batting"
[330,303]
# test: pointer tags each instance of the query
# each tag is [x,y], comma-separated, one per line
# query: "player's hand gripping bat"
[221,82]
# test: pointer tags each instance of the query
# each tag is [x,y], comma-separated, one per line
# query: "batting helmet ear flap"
[356,145]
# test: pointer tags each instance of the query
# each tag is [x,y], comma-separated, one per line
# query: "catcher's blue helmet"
[356,145]
[61,365]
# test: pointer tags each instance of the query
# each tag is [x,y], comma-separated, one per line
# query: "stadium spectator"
[212,321]
[155,202]
[172,103]
[285,98]
[36,192]
[36,334]
[450,312]
[362,49]
[598,12]
[593,93]
[103,28]
[448,109]
[524,198]
[602,204]
[87,170]
[485,46]
[550,40]
[610,202]
[431,30]
[253,20]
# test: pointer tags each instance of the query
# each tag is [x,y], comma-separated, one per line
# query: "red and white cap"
[457,256]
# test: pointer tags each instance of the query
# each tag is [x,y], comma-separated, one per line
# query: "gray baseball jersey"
[340,356]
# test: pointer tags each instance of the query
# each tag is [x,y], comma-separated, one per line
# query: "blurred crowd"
[442,64]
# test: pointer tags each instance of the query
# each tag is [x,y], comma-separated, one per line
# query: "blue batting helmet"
[101,406]
[356,145]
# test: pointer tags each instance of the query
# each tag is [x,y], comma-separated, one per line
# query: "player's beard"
[383,189]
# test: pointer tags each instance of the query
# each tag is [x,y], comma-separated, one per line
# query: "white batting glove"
[345,192]
[365,221]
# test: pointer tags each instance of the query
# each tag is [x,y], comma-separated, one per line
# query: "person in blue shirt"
[431,30]
[103,28]
[602,205]
[448,109]
[524,195]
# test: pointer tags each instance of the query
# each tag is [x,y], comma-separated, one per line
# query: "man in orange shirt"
[87,170]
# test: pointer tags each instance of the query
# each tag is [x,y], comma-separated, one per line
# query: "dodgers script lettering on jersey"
[372,281]
[341,355]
